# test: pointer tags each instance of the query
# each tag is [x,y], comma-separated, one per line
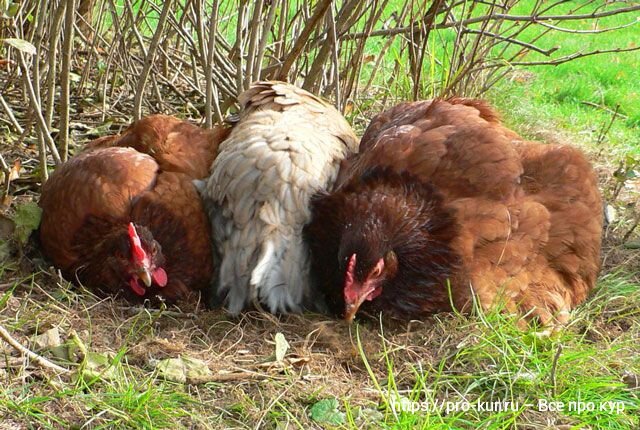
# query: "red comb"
[349,280]
[136,245]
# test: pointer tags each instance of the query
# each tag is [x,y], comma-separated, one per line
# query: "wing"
[176,145]
[101,183]
[561,179]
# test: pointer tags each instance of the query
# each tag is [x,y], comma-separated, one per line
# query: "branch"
[64,78]
[572,57]
[148,61]
[321,9]
[32,355]
[12,118]
[602,30]
[491,17]
[211,93]
[35,105]
[7,178]
[513,41]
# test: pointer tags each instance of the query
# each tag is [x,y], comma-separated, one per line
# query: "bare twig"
[573,56]
[148,61]
[65,79]
[6,336]
[211,93]
[12,118]
[577,31]
[495,17]
[321,9]
[35,105]
[7,178]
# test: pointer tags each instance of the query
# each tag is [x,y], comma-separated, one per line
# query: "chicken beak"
[351,309]
[145,277]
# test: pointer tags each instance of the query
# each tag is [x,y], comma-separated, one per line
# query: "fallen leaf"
[326,411]
[610,213]
[631,379]
[369,416]
[98,366]
[14,173]
[48,339]
[172,369]
[21,45]
[183,369]
[282,346]
[5,204]
[27,219]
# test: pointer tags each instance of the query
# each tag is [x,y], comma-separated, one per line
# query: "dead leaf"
[98,366]
[20,45]
[183,369]
[5,204]
[282,346]
[631,379]
[348,107]
[48,339]
[14,173]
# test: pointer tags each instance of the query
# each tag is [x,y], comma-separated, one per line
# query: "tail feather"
[281,275]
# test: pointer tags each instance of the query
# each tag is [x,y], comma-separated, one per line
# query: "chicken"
[287,145]
[444,204]
[128,222]
[176,145]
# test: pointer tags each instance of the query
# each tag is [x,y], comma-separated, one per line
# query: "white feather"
[285,147]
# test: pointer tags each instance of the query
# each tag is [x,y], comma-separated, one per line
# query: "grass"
[494,363]
[458,369]
[451,367]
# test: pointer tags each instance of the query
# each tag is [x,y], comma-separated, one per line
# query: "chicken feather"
[287,145]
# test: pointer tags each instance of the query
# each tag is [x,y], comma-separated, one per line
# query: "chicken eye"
[376,271]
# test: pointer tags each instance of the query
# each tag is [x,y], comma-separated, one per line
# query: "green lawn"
[580,96]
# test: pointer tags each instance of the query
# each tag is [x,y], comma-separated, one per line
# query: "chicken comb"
[349,275]
[136,245]
[350,289]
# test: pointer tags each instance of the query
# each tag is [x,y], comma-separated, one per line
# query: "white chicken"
[287,145]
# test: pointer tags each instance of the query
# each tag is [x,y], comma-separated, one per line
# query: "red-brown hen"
[443,203]
[124,216]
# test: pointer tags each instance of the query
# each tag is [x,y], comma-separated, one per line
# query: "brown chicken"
[287,145]
[444,204]
[123,221]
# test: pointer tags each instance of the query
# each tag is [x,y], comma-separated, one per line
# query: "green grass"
[577,97]
[580,96]
[447,366]
[494,362]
